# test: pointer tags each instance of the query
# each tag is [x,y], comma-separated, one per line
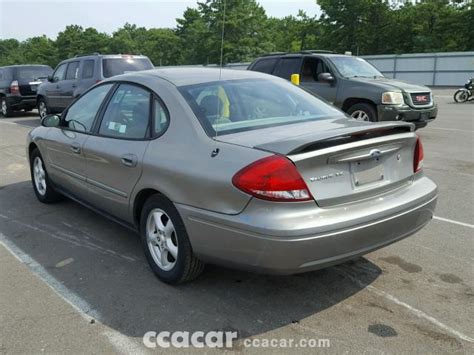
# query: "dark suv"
[353,85]
[74,76]
[18,85]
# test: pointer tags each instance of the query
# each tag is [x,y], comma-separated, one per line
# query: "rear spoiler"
[319,140]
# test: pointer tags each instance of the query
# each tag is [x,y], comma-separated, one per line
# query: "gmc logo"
[421,98]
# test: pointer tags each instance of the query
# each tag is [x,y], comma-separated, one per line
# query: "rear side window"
[118,66]
[88,69]
[286,67]
[265,65]
[160,119]
[72,71]
[128,113]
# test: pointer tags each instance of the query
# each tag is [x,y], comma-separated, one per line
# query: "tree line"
[360,26]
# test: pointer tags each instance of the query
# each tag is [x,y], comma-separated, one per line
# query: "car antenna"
[221,63]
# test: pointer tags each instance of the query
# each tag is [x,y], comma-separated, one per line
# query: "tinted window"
[242,105]
[72,71]
[1,74]
[161,117]
[31,73]
[118,66]
[286,67]
[265,65]
[88,69]
[128,113]
[60,72]
[80,116]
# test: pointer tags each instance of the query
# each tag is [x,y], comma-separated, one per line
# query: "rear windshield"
[118,66]
[31,73]
[232,106]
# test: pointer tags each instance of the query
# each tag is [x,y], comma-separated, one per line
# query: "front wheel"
[166,243]
[43,108]
[42,185]
[363,112]
[462,95]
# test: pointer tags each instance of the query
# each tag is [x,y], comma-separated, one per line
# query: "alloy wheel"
[162,239]
[39,176]
[4,107]
[360,115]
[43,110]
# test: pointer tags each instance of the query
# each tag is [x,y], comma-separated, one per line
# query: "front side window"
[80,116]
[353,67]
[231,106]
[60,72]
[88,69]
[72,71]
[128,113]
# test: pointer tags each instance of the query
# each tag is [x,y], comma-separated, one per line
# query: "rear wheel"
[5,109]
[461,95]
[42,186]
[363,112]
[43,108]
[166,243]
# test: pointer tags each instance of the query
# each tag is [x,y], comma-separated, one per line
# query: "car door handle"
[76,148]
[129,160]
[73,85]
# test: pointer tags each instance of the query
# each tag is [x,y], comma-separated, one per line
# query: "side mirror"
[326,78]
[51,121]
[50,78]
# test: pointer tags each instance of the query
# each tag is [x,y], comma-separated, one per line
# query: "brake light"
[14,88]
[419,155]
[273,178]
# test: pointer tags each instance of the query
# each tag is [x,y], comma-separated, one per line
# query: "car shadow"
[102,265]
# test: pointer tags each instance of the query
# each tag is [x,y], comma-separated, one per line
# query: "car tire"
[462,95]
[363,112]
[167,246]
[43,108]
[44,189]
[5,109]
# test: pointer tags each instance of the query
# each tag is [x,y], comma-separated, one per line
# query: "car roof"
[98,55]
[190,76]
[289,55]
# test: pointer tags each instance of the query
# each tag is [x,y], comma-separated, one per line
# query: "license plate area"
[367,172]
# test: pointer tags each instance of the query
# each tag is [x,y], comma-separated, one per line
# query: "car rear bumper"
[291,238]
[20,102]
[419,117]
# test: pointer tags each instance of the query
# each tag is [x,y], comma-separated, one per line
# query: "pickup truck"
[353,85]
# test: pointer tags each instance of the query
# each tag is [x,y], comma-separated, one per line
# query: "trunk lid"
[341,160]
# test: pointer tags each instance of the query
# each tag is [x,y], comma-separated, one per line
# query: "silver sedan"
[234,168]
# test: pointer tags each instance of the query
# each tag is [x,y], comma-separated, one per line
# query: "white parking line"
[413,310]
[120,342]
[454,222]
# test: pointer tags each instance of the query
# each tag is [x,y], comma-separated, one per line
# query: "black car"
[353,85]
[18,86]
[74,76]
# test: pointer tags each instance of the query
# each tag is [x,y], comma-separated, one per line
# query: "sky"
[21,19]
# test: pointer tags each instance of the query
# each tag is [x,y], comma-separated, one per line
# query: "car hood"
[390,84]
[289,139]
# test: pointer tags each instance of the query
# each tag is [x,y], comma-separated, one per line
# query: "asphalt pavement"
[73,281]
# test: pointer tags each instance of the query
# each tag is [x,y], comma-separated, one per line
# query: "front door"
[65,146]
[311,69]
[69,84]
[114,157]
[53,88]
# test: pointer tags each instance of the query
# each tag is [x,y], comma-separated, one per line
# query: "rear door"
[114,156]
[65,144]
[69,84]
[287,66]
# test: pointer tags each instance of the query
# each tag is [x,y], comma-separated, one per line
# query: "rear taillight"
[419,155]
[14,88]
[273,178]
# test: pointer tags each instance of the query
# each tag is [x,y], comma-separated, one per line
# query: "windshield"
[31,73]
[118,66]
[355,67]
[225,107]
